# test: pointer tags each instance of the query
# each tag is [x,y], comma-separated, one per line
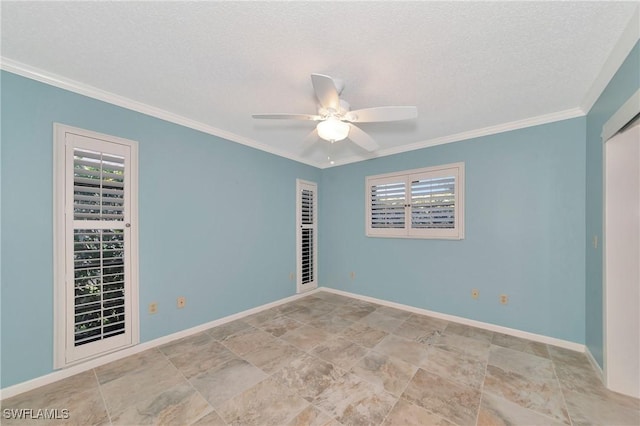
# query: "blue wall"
[624,84]
[216,220]
[524,233]
[530,216]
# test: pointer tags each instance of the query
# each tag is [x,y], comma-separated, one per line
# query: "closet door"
[622,265]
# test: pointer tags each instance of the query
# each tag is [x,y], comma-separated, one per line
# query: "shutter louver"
[388,205]
[433,203]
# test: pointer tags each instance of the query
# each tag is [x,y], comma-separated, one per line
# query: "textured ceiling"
[465,65]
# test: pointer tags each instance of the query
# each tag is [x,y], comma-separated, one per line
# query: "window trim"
[406,176]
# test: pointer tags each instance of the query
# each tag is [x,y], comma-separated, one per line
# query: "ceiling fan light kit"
[335,118]
[333,130]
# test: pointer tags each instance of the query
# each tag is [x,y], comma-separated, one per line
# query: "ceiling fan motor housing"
[340,113]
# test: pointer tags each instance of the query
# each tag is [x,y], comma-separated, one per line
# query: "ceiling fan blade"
[362,139]
[285,116]
[308,141]
[326,91]
[386,113]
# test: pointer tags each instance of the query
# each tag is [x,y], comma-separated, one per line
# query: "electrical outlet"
[153,307]
[291,276]
[352,275]
[181,302]
[475,293]
[504,299]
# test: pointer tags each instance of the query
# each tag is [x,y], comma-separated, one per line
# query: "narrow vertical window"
[306,235]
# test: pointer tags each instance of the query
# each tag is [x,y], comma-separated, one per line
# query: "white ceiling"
[467,66]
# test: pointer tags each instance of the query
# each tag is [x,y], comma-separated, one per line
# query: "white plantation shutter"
[306,245]
[99,284]
[98,279]
[99,196]
[387,205]
[99,270]
[433,202]
[306,234]
[307,204]
[424,203]
[98,186]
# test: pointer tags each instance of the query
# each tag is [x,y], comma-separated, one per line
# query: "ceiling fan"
[336,120]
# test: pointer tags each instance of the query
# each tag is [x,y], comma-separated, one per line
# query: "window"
[95,244]
[421,203]
[306,235]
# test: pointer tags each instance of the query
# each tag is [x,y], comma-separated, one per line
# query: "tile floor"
[326,359]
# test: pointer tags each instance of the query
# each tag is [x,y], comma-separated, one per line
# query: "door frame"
[60,326]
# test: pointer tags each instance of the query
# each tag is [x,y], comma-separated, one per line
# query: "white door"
[96,293]
[306,235]
[622,262]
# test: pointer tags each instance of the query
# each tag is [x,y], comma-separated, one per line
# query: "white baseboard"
[54,376]
[595,365]
[19,388]
[461,320]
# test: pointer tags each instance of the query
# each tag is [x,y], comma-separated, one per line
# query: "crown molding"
[51,79]
[486,131]
[628,39]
